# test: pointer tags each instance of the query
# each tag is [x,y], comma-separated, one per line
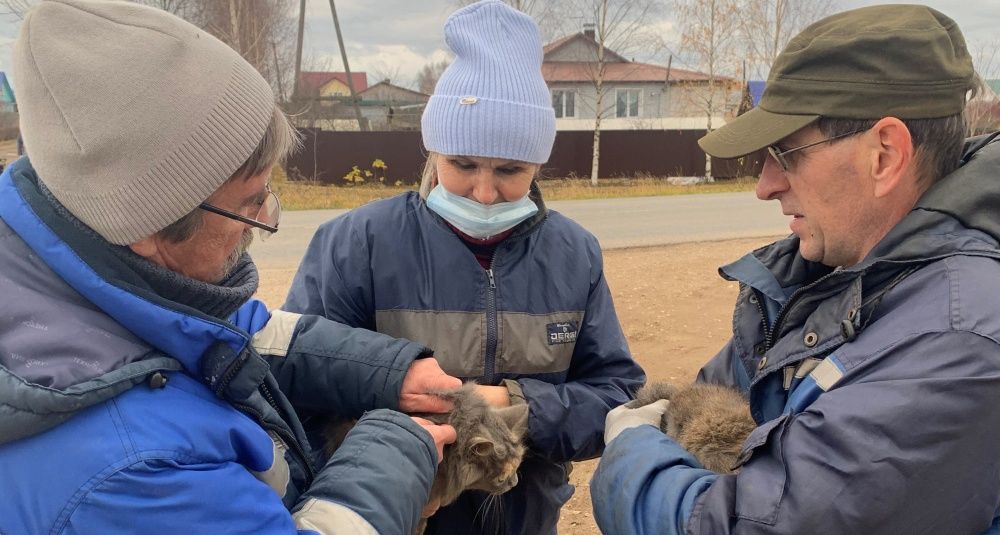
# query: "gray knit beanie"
[492,100]
[130,115]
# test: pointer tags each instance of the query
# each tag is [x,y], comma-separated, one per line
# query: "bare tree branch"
[710,35]
[768,25]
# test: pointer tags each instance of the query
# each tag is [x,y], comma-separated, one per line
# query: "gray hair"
[280,141]
[937,142]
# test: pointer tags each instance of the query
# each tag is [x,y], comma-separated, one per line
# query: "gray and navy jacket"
[124,412]
[540,319]
[876,388]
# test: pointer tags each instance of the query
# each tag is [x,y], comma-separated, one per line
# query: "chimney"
[588,30]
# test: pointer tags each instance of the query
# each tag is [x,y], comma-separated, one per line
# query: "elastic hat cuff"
[751,132]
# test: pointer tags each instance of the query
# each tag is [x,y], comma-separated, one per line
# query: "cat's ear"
[516,417]
[481,446]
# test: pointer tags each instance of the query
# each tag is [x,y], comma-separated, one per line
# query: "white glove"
[621,418]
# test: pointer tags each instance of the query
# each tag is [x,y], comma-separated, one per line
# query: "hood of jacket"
[83,326]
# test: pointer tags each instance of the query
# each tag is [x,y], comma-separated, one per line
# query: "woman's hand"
[497,396]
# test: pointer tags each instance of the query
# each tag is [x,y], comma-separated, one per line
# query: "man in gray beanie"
[868,341]
[140,387]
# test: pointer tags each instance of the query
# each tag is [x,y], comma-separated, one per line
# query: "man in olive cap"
[868,341]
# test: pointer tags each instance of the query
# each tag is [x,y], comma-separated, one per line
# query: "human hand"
[622,417]
[496,396]
[425,376]
[441,434]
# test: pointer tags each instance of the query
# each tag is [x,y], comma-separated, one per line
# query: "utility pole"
[277,72]
[298,50]
[347,69]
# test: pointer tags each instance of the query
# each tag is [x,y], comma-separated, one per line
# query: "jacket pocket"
[759,491]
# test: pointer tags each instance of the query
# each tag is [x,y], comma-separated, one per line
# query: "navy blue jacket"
[540,319]
[124,412]
[875,388]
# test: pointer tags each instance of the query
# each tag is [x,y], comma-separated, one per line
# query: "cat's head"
[492,455]
[488,449]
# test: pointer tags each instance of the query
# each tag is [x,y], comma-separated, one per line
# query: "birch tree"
[710,36]
[621,28]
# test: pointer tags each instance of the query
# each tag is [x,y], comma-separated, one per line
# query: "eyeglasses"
[266,219]
[779,155]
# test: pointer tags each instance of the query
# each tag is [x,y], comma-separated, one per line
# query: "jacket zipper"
[763,317]
[491,324]
[287,437]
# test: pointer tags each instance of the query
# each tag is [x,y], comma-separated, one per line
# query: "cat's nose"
[512,480]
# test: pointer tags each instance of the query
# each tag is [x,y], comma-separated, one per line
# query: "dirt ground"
[674,308]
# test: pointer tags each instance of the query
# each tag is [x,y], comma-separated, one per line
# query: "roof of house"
[617,68]
[579,71]
[385,83]
[994,85]
[560,43]
[6,93]
[756,88]
[311,81]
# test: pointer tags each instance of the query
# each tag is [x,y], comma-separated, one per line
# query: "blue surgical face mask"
[476,219]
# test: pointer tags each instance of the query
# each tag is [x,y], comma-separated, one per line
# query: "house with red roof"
[636,95]
[330,84]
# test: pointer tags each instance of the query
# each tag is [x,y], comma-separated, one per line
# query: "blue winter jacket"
[540,320]
[876,388]
[123,412]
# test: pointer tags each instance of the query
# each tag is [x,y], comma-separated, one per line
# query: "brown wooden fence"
[328,156]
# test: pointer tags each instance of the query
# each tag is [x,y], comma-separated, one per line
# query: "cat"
[486,454]
[709,421]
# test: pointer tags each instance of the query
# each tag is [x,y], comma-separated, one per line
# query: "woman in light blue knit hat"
[508,293]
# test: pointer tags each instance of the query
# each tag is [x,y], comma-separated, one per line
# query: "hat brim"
[751,132]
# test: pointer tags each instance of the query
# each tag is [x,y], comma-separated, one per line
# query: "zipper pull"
[493,282]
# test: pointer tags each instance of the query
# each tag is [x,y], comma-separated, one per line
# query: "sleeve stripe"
[275,337]
[328,518]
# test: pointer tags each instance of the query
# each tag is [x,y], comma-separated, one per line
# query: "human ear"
[145,247]
[892,157]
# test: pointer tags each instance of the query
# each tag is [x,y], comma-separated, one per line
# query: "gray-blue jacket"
[124,412]
[541,319]
[876,388]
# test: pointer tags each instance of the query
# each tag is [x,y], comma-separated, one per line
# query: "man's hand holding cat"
[623,417]
[442,434]
[425,376]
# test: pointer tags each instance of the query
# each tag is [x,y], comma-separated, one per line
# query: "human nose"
[484,191]
[772,180]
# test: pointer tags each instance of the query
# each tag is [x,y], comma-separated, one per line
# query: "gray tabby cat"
[709,421]
[485,455]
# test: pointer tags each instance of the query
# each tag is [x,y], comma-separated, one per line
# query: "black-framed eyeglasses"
[266,218]
[779,155]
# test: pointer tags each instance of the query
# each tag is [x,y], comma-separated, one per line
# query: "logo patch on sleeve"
[562,333]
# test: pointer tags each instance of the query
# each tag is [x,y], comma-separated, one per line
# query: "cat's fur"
[486,453]
[710,421]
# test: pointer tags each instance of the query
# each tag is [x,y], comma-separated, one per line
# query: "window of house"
[627,103]
[564,102]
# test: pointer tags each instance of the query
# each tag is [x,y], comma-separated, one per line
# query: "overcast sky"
[397,37]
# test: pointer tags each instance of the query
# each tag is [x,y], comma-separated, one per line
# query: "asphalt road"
[617,223]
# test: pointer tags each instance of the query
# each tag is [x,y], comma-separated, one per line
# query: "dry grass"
[315,196]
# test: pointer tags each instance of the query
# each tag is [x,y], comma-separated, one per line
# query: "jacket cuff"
[515,392]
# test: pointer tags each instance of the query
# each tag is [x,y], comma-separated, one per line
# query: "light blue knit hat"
[492,100]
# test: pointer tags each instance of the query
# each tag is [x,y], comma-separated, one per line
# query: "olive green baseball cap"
[904,61]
